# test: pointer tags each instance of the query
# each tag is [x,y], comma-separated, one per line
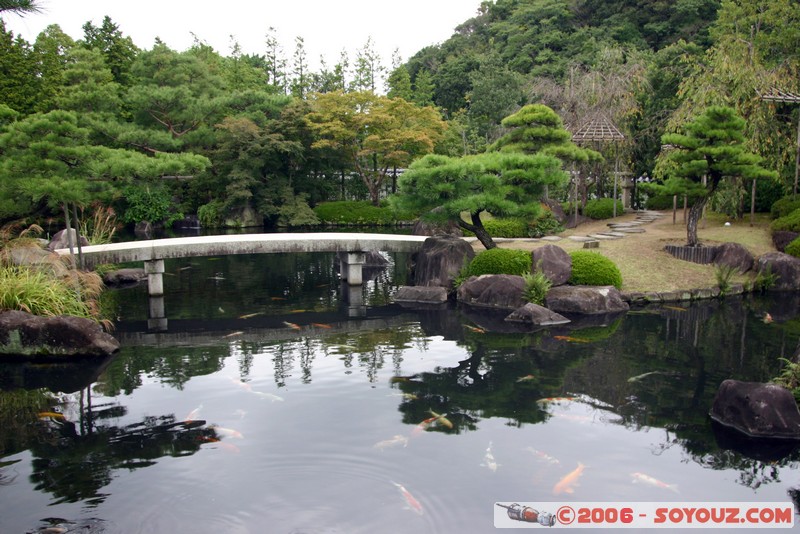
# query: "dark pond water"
[273,404]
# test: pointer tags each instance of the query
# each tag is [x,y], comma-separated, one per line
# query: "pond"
[272,404]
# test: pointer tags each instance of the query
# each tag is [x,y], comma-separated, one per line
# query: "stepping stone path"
[619,230]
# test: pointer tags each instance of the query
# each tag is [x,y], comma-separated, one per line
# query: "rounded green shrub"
[602,208]
[500,261]
[593,269]
[793,248]
[784,206]
[546,224]
[789,222]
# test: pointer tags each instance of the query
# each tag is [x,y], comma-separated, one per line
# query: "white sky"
[327,27]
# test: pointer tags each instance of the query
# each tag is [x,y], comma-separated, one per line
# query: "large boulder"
[785,266]
[781,238]
[421,294]
[536,315]
[61,240]
[757,410]
[23,334]
[124,277]
[585,300]
[734,255]
[440,260]
[554,262]
[501,291]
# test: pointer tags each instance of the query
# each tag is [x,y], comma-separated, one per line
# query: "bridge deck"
[218,245]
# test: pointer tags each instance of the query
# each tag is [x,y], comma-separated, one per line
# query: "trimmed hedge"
[793,248]
[359,212]
[789,222]
[594,269]
[500,261]
[602,208]
[784,207]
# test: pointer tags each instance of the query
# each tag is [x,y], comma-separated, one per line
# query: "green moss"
[593,269]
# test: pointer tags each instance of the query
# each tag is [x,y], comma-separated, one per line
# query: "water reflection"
[336,410]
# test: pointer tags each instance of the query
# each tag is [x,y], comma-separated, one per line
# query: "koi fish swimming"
[422,426]
[396,441]
[250,315]
[650,481]
[267,396]
[441,419]
[194,415]
[51,415]
[571,339]
[489,461]
[475,329]
[244,385]
[412,502]
[568,483]
[233,334]
[543,456]
[526,378]
[227,432]
[321,325]
[555,399]
[293,326]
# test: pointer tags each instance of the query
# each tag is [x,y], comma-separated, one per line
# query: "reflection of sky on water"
[308,462]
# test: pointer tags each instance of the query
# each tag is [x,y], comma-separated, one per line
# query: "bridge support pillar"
[155,277]
[156,316]
[351,268]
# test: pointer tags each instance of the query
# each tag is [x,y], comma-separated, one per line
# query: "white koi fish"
[392,442]
[543,456]
[489,461]
[268,396]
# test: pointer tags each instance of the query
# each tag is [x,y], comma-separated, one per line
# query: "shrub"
[784,206]
[210,215]
[793,248]
[506,227]
[789,222]
[789,377]
[358,212]
[602,208]
[594,269]
[536,287]
[500,261]
[546,224]
[659,202]
[723,274]
[40,293]
[152,203]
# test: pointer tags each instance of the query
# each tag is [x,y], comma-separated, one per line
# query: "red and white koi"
[422,426]
[194,415]
[650,481]
[293,326]
[568,483]
[227,432]
[411,501]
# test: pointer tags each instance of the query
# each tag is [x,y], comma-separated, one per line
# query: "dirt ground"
[642,260]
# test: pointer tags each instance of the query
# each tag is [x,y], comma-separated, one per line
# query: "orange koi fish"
[51,415]
[413,503]
[767,318]
[227,446]
[650,481]
[566,484]
[297,311]
[422,426]
[227,432]
[277,298]
[526,378]
[321,325]
[392,442]
[292,325]
[475,329]
[571,339]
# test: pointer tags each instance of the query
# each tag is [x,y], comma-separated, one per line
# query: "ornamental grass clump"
[536,287]
[41,293]
[593,269]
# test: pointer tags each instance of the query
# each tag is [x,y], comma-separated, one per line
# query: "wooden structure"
[776,95]
[602,130]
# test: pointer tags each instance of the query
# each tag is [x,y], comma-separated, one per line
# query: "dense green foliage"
[602,208]
[784,206]
[40,293]
[593,269]
[545,224]
[500,261]
[789,222]
[256,138]
[536,287]
[793,248]
[350,212]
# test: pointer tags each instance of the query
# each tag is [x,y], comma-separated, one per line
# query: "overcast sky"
[327,27]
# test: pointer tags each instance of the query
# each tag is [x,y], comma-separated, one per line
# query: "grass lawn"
[644,263]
